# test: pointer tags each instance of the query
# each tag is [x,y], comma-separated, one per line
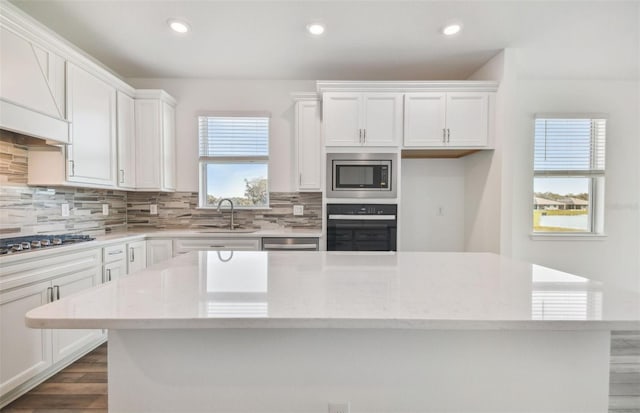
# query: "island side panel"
[302,370]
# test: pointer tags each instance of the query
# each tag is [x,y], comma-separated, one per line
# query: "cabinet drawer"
[182,246]
[114,253]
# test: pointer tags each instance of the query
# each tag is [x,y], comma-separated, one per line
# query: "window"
[234,160]
[568,181]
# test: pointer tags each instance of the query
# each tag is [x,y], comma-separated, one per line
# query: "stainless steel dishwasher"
[290,244]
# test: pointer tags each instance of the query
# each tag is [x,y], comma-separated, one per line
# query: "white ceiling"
[364,40]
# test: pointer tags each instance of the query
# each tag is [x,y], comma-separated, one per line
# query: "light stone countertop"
[142,234]
[403,290]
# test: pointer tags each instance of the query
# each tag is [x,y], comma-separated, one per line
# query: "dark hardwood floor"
[82,387]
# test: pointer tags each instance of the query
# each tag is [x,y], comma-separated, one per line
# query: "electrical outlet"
[338,407]
[298,210]
[105,209]
[153,209]
[65,210]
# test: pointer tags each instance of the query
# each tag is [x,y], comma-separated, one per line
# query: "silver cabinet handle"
[359,135]
[132,254]
[115,252]
[444,135]
[49,294]
[72,165]
[217,246]
[364,136]
[56,291]
[108,274]
[121,176]
[300,178]
[448,134]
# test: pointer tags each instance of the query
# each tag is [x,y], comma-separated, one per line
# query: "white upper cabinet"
[32,88]
[382,119]
[357,119]
[452,119]
[155,141]
[92,112]
[308,143]
[126,142]
[467,118]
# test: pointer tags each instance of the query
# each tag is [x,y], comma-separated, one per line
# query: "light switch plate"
[105,209]
[298,210]
[64,210]
[153,209]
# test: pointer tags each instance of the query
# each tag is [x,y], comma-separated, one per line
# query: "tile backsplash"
[178,210]
[26,210]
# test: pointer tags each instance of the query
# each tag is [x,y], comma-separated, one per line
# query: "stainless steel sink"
[227,231]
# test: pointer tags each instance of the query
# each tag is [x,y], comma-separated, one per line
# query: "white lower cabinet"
[26,354]
[67,342]
[159,250]
[137,256]
[182,246]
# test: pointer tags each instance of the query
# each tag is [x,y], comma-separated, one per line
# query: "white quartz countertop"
[406,290]
[141,234]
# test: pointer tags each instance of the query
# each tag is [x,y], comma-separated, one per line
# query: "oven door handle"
[339,217]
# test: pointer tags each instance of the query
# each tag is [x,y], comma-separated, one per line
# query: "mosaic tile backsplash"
[178,210]
[26,210]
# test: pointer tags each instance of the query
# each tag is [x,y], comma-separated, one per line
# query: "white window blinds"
[233,137]
[569,146]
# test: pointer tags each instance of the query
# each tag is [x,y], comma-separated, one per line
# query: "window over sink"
[234,160]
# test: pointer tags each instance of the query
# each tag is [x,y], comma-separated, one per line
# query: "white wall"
[195,96]
[613,259]
[432,209]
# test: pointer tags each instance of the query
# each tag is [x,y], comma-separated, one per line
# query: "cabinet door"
[382,121]
[467,118]
[148,114]
[424,119]
[159,250]
[341,117]
[92,112]
[137,256]
[24,352]
[114,270]
[126,142]
[168,147]
[308,142]
[217,244]
[67,342]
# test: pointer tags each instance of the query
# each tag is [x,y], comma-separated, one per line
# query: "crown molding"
[405,86]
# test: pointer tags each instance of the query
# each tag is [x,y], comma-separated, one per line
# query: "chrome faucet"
[230,203]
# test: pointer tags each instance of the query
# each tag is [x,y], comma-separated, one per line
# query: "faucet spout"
[231,225]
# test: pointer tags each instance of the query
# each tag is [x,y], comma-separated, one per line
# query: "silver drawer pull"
[115,252]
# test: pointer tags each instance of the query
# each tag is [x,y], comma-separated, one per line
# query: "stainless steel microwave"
[361,175]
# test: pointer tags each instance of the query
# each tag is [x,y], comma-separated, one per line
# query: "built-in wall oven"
[361,227]
[361,175]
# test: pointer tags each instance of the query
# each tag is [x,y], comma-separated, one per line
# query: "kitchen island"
[224,331]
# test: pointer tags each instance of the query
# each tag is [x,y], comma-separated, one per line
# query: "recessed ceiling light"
[451,29]
[178,26]
[315,29]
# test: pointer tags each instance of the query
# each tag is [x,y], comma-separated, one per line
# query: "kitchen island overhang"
[399,332]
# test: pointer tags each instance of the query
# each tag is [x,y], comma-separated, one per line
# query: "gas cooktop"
[39,242]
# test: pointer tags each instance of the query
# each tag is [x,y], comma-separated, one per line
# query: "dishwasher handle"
[290,246]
